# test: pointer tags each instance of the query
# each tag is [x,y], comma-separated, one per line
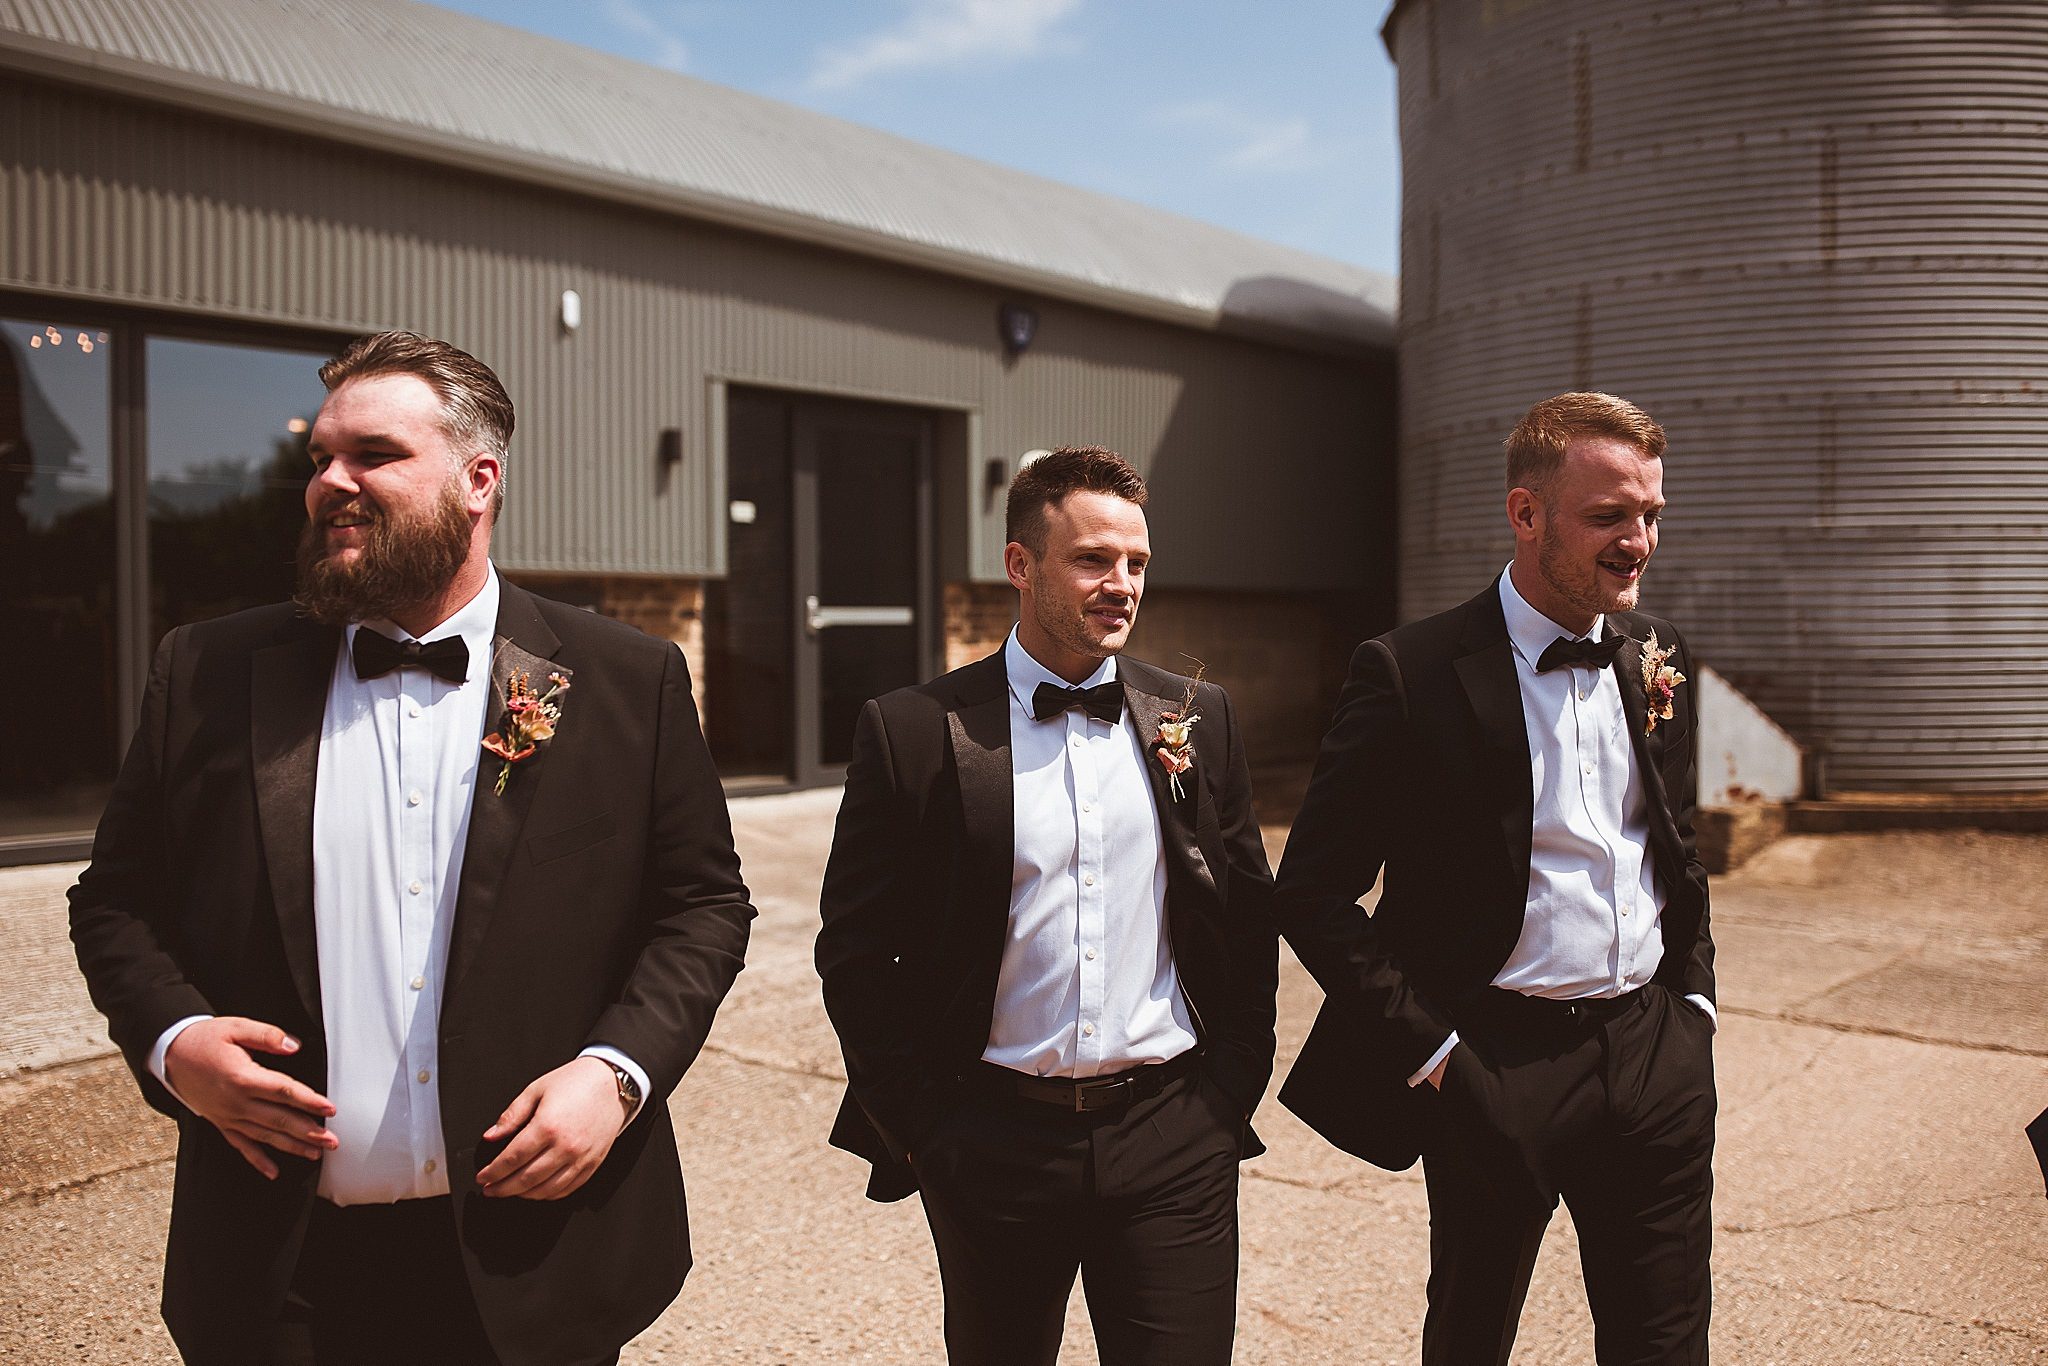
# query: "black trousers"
[1609,1106]
[383,1285]
[1140,1199]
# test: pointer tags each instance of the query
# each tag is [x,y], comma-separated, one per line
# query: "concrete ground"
[1884,1041]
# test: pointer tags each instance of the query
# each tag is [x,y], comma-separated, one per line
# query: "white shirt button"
[1088,878]
[1090,955]
[1589,770]
[418,984]
[425,1075]
[412,709]
[415,886]
[413,798]
[1086,807]
[1624,911]
[1088,1029]
[431,1164]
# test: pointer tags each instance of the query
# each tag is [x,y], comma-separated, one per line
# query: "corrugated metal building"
[766,407]
[1809,237]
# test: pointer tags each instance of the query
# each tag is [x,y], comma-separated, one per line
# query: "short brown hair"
[1050,478]
[1537,445]
[476,413]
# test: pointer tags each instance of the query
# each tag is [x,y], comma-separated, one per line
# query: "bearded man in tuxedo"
[1531,1005]
[1047,952]
[411,905]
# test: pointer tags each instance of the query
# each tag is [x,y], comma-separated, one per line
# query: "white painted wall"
[1744,756]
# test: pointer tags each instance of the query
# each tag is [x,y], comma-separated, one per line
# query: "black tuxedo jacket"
[601,902]
[1424,777]
[916,900]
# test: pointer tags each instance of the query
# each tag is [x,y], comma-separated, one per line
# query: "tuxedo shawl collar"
[288,701]
[523,643]
[1486,667]
[978,720]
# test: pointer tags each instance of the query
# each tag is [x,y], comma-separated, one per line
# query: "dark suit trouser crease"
[1616,1116]
[1141,1200]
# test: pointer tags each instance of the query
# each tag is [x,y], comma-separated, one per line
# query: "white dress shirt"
[392,792]
[1592,923]
[1087,983]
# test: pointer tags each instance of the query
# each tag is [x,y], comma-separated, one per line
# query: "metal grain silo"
[1811,237]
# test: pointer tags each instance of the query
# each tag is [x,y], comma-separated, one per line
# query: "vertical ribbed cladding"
[1811,238]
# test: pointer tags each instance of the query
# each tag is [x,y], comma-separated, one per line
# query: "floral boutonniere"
[1660,681]
[529,722]
[1175,745]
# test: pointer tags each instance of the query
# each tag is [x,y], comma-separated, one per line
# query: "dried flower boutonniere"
[1174,744]
[529,723]
[1660,681]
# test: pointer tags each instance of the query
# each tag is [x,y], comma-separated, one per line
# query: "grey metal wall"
[1811,237]
[1262,456]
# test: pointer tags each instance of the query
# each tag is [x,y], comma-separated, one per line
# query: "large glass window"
[57,566]
[227,429]
[97,564]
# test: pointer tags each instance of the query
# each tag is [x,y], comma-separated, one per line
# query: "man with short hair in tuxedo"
[412,904]
[1047,952]
[1530,1005]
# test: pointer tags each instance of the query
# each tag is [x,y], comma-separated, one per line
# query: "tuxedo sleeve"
[123,920]
[1243,1047]
[694,909]
[865,953]
[1335,852]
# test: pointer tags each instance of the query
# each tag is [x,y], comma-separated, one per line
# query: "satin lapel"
[287,704]
[1635,707]
[1176,815]
[979,727]
[1490,686]
[524,644]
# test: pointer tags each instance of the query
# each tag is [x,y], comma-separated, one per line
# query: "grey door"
[861,484]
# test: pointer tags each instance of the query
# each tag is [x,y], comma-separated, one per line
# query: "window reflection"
[227,430]
[56,576]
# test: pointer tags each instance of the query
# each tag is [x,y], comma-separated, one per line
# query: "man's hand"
[211,1068]
[566,1123]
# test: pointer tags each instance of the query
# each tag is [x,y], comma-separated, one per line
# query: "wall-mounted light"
[669,450]
[1017,325]
[572,310]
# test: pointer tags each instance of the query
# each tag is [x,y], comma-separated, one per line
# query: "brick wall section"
[669,609]
[1281,656]
[978,617]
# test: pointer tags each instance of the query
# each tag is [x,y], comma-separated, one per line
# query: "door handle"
[817,618]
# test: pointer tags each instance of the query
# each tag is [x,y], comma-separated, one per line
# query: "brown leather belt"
[1079,1095]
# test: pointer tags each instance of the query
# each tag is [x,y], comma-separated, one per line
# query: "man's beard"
[1579,585]
[1071,632]
[403,562]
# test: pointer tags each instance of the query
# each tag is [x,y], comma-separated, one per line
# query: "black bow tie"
[1584,654]
[377,654]
[1104,701]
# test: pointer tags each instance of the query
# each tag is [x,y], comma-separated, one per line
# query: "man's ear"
[1525,513]
[1018,561]
[480,483]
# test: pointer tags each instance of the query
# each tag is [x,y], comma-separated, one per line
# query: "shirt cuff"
[1422,1075]
[614,1056]
[162,1051]
[1707,1007]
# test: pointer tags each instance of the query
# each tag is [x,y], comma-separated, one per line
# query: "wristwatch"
[629,1090]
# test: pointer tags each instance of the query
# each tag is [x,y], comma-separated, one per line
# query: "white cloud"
[944,33]
[664,48]
[1248,141]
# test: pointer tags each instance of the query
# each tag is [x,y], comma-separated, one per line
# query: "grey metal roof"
[433,83]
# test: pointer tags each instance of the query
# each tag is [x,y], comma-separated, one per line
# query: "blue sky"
[1277,121]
